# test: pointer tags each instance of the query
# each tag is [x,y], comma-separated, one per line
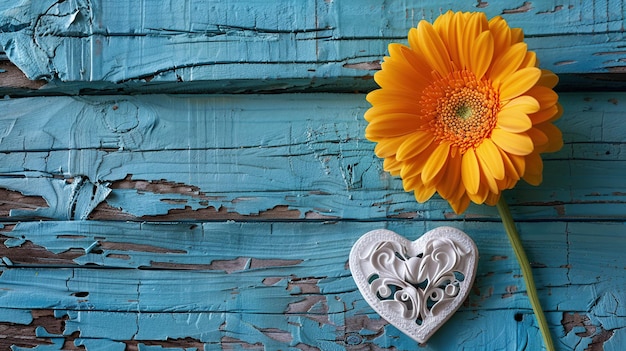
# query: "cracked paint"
[237,48]
[158,221]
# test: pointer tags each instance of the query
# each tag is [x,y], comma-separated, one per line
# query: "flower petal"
[534,169]
[548,79]
[391,165]
[417,63]
[492,199]
[544,95]
[392,125]
[443,25]
[519,162]
[433,48]
[460,205]
[555,137]
[389,96]
[530,60]
[517,35]
[514,121]
[544,115]
[519,82]
[470,172]
[481,54]
[450,36]
[489,157]
[435,162]
[414,145]
[399,75]
[482,193]
[473,28]
[448,189]
[508,62]
[405,65]
[501,35]
[423,193]
[387,147]
[540,139]
[513,143]
[487,178]
[558,114]
[401,106]
[412,182]
[415,165]
[526,104]
[509,167]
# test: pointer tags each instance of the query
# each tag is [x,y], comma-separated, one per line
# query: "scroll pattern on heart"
[416,286]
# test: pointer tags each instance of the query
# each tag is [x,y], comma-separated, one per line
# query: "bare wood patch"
[573,320]
[29,253]
[317,215]
[269,281]
[256,263]
[110,245]
[118,256]
[598,334]
[510,291]
[525,7]
[106,212]
[180,266]
[565,62]
[277,334]
[14,200]
[159,187]
[597,342]
[360,331]
[182,343]
[498,257]
[481,4]
[616,69]
[12,77]
[230,266]
[367,66]
[556,8]
[313,304]
[305,347]
[229,343]
[24,335]
[210,213]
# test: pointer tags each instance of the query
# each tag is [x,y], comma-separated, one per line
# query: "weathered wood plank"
[281,284]
[204,158]
[255,45]
[225,221]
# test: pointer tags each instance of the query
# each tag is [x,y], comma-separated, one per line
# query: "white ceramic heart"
[415,285]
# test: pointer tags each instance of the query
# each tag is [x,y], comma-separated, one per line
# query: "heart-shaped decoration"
[416,286]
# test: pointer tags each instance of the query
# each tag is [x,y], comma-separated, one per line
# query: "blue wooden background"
[191,175]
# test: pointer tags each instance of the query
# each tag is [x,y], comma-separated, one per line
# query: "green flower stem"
[527,273]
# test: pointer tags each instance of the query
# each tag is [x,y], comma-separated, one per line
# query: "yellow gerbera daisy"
[464,110]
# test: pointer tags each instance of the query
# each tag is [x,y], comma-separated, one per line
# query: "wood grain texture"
[224,221]
[230,218]
[281,45]
[204,157]
[252,291]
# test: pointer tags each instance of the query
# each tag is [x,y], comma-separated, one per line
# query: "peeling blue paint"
[57,345]
[199,222]
[14,315]
[222,163]
[239,45]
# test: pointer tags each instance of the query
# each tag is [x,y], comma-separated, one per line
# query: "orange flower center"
[462,109]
